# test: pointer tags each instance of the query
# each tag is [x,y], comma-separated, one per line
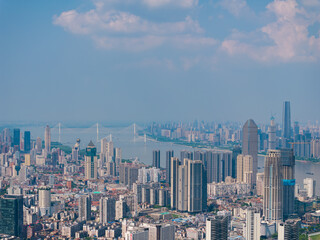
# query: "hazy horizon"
[164,60]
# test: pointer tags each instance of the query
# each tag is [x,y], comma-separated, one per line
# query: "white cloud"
[311,3]
[149,3]
[286,39]
[112,29]
[179,3]
[235,7]
[119,22]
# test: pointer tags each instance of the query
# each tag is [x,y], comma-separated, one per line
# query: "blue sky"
[155,60]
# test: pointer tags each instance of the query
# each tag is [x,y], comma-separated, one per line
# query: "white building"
[310,186]
[252,229]
[44,194]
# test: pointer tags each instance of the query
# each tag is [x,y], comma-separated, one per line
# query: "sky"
[158,60]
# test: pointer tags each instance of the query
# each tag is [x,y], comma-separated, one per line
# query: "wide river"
[133,147]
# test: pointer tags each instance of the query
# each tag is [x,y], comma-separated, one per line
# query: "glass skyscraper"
[11,215]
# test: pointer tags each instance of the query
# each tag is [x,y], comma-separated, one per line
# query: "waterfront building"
[279,185]
[156,158]
[169,155]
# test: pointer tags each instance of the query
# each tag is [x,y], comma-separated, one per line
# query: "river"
[133,147]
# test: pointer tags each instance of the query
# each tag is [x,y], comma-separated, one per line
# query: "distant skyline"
[159,60]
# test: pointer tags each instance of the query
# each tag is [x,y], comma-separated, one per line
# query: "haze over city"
[159,60]
[160,119]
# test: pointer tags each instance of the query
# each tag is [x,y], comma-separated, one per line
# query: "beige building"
[245,169]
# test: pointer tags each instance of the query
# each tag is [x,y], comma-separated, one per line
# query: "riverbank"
[211,146]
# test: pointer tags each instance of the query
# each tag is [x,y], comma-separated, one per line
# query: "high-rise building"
[289,230]
[197,186]
[310,187]
[250,144]
[162,232]
[16,137]
[279,184]
[260,184]
[39,145]
[91,162]
[245,169]
[47,139]
[169,155]
[27,141]
[186,154]
[128,173]
[252,230]
[235,152]
[84,208]
[109,150]
[182,188]
[27,159]
[11,215]
[107,210]
[121,209]
[286,121]
[217,228]
[272,132]
[156,158]
[44,195]
[174,182]
[188,185]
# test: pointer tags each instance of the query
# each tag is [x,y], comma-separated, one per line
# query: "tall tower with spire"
[272,144]
[286,124]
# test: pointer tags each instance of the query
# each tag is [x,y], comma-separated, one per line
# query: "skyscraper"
[39,145]
[289,230]
[245,169]
[217,228]
[47,139]
[84,208]
[16,137]
[27,141]
[11,215]
[250,144]
[188,185]
[186,154]
[286,121]
[272,143]
[44,195]
[156,158]
[279,182]
[174,182]
[169,155]
[197,186]
[252,230]
[107,210]
[91,162]
[162,232]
